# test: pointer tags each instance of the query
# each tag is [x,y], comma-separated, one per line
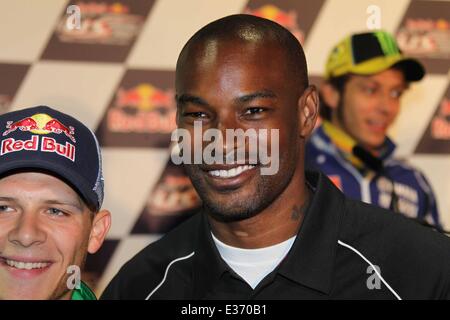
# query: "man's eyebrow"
[187,98]
[77,205]
[256,95]
[6,199]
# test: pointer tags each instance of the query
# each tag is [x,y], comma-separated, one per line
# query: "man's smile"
[24,267]
[230,172]
[228,176]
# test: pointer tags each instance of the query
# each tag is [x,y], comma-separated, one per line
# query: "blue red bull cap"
[44,139]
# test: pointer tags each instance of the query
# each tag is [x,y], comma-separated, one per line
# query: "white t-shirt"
[253,264]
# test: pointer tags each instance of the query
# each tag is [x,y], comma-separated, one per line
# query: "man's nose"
[386,103]
[27,231]
[226,121]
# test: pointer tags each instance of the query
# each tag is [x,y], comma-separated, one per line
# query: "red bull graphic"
[47,145]
[287,19]
[12,145]
[145,97]
[142,109]
[26,124]
[57,127]
[40,124]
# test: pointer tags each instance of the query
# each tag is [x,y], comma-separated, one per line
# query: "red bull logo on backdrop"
[287,19]
[39,124]
[142,109]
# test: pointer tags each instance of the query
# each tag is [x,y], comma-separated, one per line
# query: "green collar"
[83,293]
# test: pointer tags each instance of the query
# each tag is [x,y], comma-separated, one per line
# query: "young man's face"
[369,106]
[44,228]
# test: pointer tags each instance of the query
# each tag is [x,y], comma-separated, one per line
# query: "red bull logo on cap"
[40,123]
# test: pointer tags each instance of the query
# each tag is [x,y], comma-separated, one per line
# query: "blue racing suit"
[329,150]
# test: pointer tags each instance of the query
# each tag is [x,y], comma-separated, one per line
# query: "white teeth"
[26,265]
[231,172]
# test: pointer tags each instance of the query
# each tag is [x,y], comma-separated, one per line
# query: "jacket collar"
[83,293]
[209,267]
[311,259]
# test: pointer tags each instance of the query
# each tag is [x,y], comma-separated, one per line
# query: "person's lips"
[25,267]
[226,173]
[378,126]
[226,177]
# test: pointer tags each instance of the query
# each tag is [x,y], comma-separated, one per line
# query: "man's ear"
[308,105]
[330,95]
[99,230]
[177,115]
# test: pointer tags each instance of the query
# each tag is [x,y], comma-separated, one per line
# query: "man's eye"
[396,94]
[369,90]
[254,110]
[196,115]
[4,208]
[56,212]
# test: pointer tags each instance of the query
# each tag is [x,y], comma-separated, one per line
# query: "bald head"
[250,33]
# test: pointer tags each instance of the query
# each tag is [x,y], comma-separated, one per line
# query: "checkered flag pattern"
[113,66]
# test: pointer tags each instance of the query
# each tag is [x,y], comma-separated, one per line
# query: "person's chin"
[372,142]
[32,292]
[40,286]
[231,206]
[230,213]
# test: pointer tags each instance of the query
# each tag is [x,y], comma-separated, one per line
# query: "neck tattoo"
[299,211]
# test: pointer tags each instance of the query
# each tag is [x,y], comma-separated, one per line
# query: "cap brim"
[412,69]
[74,180]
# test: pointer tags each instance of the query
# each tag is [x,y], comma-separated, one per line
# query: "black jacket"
[338,248]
